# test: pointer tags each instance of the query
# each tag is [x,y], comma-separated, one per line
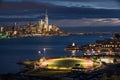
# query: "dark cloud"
[65,13]
[37,10]
[83,0]
[24,5]
[58,0]
[62,15]
[88,22]
[106,4]
[118,1]
[88,0]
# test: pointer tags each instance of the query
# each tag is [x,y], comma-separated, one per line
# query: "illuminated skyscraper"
[46,18]
[46,27]
[40,26]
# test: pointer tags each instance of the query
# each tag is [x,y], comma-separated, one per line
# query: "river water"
[15,50]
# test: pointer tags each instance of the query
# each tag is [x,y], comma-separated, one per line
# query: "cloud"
[99,4]
[57,12]
[66,13]
[25,5]
[60,15]
[103,4]
[85,22]
[88,0]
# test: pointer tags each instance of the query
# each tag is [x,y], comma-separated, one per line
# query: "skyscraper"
[46,27]
[40,26]
[46,18]
[43,25]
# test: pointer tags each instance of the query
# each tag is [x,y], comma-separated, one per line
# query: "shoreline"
[109,71]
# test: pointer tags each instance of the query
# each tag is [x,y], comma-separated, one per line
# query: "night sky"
[63,12]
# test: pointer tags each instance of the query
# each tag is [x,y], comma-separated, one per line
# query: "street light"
[43,58]
[44,49]
[39,52]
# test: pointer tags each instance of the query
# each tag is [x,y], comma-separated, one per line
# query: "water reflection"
[73,53]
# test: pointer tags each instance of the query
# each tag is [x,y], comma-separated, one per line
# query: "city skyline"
[60,39]
[63,13]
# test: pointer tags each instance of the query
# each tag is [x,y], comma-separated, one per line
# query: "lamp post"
[43,58]
[39,52]
[44,49]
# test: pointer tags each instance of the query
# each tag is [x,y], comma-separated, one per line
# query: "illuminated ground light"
[66,63]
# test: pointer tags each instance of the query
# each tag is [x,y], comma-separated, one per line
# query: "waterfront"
[20,49]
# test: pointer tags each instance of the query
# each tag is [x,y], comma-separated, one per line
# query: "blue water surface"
[15,50]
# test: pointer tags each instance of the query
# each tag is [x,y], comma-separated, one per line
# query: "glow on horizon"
[85,22]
